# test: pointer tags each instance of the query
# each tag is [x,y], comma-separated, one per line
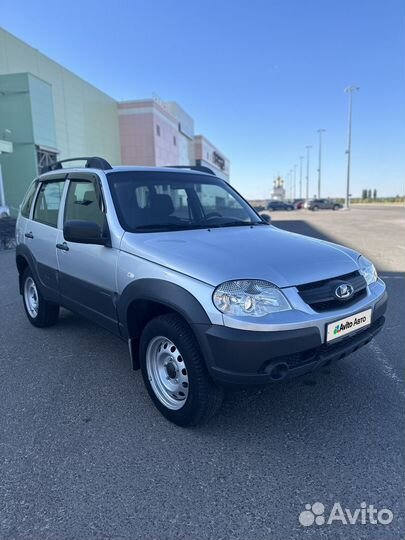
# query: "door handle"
[29,235]
[63,247]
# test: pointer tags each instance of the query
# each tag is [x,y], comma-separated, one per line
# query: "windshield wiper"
[164,226]
[236,224]
[180,226]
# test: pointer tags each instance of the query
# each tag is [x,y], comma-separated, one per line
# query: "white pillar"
[2,196]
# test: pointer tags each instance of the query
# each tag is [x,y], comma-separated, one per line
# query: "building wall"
[185,127]
[160,133]
[26,111]
[42,111]
[205,153]
[137,134]
[150,135]
[85,118]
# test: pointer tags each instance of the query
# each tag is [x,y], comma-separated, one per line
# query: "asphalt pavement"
[85,455]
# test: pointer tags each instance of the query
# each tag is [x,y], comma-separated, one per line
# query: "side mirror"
[84,232]
[266,218]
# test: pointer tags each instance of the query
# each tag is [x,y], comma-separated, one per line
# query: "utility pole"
[291,185]
[349,90]
[295,181]
[301,158]
[320,131]
[308,147]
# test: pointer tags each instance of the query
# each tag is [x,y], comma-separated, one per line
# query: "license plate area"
[348,325]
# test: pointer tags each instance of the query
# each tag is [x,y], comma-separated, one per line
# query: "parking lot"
[85,455]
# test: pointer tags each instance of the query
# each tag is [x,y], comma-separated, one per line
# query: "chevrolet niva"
[206,292]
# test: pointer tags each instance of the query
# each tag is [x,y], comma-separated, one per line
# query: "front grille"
[320,294]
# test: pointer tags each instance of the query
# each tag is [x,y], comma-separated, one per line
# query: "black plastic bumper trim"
[244,357]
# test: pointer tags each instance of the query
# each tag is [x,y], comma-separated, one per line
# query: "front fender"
[163,292]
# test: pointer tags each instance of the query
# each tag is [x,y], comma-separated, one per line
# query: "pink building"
[158,133]
[207,154]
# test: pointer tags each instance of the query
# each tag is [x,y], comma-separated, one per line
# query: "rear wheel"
[315,208]
[336,207]
[175,374]
[40,312]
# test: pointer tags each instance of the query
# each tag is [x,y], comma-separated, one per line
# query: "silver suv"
[205,291]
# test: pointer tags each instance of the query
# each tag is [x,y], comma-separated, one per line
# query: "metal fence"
[7,233]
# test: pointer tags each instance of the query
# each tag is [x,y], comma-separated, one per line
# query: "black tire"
[315,208]
[270,209]
[204,397]
[336,207]
[47,313]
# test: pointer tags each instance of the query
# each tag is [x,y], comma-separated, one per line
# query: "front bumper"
[241,357]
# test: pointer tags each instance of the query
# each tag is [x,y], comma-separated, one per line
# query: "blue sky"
[259,77]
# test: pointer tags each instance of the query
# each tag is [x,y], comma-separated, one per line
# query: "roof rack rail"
[91,163]
[200,168]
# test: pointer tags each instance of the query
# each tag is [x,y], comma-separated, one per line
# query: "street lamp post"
[308,147]
[301,158]
[349,90]
[292,184]
[320,131]
[295,182]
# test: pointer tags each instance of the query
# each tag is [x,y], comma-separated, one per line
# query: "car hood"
[260,252]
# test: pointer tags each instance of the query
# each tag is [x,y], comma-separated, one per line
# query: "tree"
[374,194]
[369,194]
[364,194]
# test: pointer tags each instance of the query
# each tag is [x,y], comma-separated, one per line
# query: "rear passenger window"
[83,203]
[27,202]
[48,201]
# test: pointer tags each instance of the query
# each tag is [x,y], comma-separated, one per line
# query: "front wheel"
[315,208]
[40,312]
[175,374]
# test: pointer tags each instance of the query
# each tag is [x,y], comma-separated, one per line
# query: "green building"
[47,112]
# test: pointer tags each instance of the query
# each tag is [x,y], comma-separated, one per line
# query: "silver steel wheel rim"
[167,373]
[31,297]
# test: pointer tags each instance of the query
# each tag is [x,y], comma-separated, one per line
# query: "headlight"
[250,297]
[367,269]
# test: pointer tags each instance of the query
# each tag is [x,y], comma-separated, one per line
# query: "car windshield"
[151,201]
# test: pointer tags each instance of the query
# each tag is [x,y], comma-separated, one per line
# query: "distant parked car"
[298,203]
[279,205]
[322,204]
[4,211]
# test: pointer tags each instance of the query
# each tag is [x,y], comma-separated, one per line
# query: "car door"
[326,204]
[87,272]
[41,233]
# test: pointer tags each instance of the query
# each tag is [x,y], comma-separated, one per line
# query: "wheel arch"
[145,299]
[24,259]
